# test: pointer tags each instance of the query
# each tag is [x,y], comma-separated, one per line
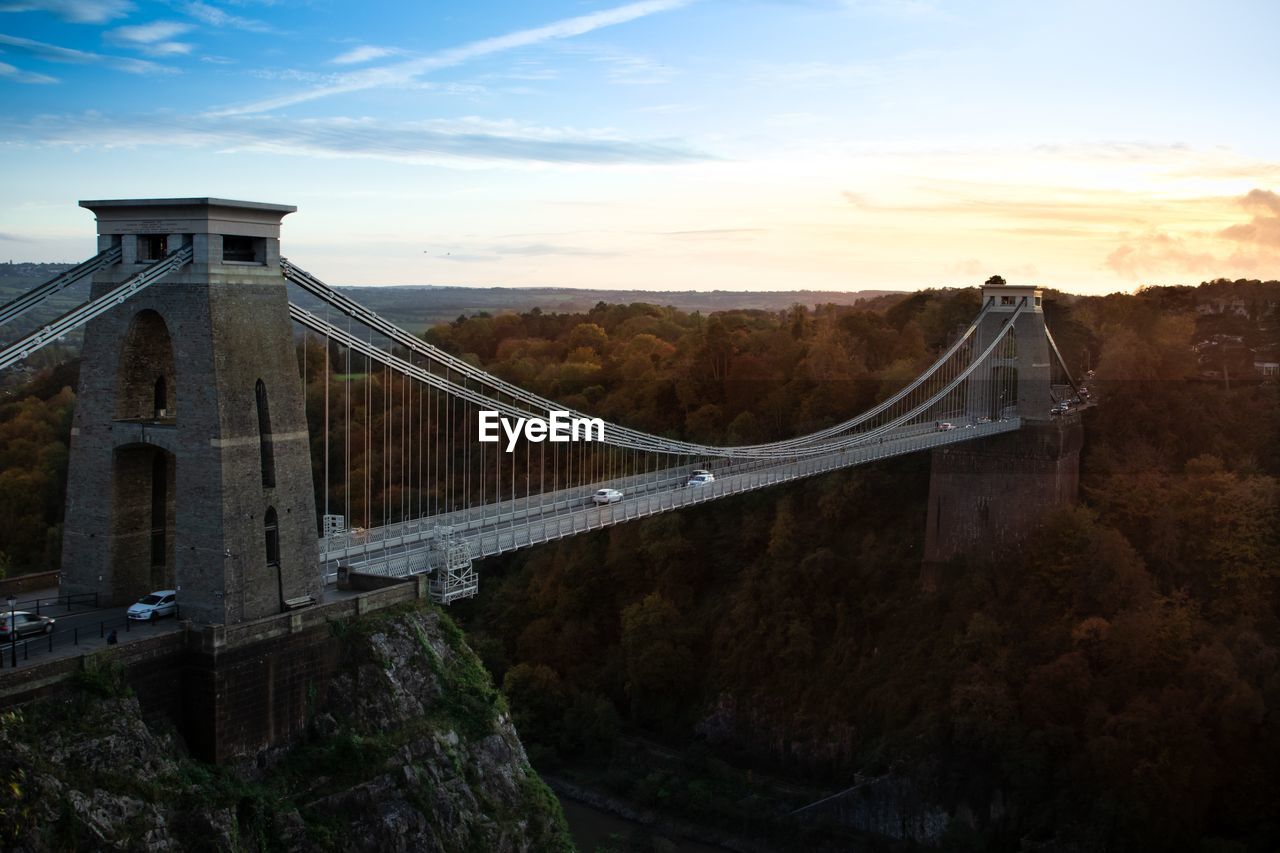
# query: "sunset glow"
[665,144]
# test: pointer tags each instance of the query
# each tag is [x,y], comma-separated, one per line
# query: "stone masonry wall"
[985,495]
[236,693]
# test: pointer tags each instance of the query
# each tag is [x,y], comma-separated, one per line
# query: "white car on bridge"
[607,496]
[701,478]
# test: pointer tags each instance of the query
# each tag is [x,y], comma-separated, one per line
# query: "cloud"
[623,67]
[1158,253]
[216,17]
[812,72]
[54,53]
[363,53]
[465,142]
[17,75]
[404,73]
[73,11]
[489,252]
[1265,199]
[1243,248]
[970,267]
[631,70]
[1264,230]
[714,233]
[537,249]
[913,10]
[153,38]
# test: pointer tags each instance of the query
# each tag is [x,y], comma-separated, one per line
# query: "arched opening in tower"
[142,521]
[1002,395]
[147,383]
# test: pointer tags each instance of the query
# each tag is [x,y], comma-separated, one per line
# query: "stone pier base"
[989,494]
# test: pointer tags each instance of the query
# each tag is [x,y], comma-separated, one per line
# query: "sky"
[665,144]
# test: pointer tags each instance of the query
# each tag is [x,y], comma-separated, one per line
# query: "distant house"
[1219,307]
[1268,370]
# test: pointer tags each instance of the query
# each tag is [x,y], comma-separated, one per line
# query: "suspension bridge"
[191,460]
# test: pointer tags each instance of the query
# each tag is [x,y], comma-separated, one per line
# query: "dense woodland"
[1115,683]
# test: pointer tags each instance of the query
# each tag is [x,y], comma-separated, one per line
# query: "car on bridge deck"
[27,624]
[151,607]
[945,426]
[606,496]
[701,478]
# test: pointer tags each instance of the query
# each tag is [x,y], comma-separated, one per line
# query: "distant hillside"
[17,279]
[416,307]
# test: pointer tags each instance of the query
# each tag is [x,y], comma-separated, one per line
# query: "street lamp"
[13,629]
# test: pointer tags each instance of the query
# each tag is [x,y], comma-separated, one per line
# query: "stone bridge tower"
[1024,354]
[190,464]
[989,494]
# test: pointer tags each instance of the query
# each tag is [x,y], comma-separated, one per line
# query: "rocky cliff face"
[410,749]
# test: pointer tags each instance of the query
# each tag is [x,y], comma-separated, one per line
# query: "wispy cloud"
[153,39]
[54,53]
[714,233]
[364,53]
[215,17]
[73,11]
[17,75]
[790,73]
[403,73]
[490,252]
[624,67]
[910,10]
[536,249]
[460,143]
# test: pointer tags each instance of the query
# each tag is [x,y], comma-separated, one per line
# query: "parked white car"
[607,496]
[151,607]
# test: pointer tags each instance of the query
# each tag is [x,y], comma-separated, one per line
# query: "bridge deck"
[494,528]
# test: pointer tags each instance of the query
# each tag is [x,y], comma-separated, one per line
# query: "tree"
[660,665]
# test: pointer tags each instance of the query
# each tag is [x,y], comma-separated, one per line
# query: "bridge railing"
[494,529]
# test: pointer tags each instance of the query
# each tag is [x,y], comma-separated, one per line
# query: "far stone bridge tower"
[987,495]
[190,464]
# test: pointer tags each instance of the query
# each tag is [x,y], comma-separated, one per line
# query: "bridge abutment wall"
[238,694]
[988,494]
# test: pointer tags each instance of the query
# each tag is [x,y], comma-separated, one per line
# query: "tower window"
[160,401]
[242,250]
[152,247]
[271,526]
[264,437]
